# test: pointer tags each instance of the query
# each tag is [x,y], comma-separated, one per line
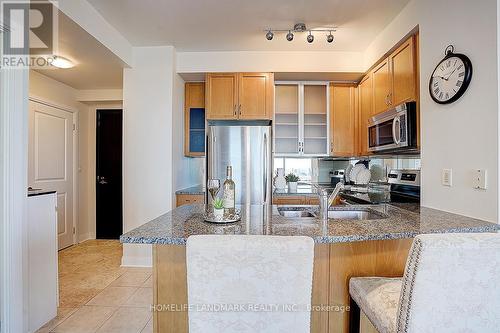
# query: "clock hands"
[440,77]
[451,74]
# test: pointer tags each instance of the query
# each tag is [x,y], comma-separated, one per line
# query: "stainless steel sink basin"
[359,214]
[295,212]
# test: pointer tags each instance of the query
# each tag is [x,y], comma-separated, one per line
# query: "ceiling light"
[310,38]
[301,28]
[329,38]
[61,62]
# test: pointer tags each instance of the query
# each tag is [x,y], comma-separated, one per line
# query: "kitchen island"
[344,248]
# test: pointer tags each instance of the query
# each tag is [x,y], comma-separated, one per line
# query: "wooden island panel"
[386,258]
[334,265]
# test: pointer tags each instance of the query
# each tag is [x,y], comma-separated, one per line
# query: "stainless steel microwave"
[394,130]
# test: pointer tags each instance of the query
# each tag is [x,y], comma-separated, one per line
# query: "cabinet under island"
[344,247]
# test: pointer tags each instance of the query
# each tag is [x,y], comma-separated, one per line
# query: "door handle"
[396,135]
[101,180]
[265,167]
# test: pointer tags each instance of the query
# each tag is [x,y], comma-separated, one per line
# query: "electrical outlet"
[446,177]
[479,179]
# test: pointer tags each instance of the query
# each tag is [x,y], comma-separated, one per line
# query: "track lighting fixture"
[269,35]
[310,37]
[301,27]
[329,38]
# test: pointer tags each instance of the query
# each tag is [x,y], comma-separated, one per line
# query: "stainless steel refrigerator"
[247,148]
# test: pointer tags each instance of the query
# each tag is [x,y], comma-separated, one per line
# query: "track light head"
[289,36]
[269,35]
[329,38]
[310,37]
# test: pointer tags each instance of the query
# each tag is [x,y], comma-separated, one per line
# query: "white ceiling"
[227,25]
[96,66]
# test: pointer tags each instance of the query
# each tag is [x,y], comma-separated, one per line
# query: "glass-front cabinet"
[301,121]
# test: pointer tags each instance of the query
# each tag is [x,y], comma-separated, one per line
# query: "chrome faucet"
[325,200]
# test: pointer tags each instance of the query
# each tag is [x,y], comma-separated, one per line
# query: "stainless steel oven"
[394,130]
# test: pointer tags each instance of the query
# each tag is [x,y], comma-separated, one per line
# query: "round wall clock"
[451,77]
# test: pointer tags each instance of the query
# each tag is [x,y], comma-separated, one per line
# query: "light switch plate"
[446,177]
[479,179]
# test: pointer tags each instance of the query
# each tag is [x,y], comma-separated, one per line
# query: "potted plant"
[219,208]
[292,181]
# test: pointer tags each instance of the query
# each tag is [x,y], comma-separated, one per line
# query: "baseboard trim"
[129,261]
[85,237]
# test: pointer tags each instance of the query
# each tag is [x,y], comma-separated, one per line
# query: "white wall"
[147,143]
[13,207]
[186,171]
[462,136]
[246,61]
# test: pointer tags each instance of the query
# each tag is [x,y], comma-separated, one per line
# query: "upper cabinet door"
[222,96]
[255,95]
[365,112]
[381,87]
[343,110]
[402,63]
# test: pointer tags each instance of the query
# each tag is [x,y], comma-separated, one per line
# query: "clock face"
[450,79]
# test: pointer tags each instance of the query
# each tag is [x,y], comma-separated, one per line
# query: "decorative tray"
[228,218]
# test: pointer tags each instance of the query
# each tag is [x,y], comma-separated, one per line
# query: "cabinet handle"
[234,110]
[239,110]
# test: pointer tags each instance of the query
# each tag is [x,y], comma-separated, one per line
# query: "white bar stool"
[243,283]
[450,284]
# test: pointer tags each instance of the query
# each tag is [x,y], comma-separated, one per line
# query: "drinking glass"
[213,186]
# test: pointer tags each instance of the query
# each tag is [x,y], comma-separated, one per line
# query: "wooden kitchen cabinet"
[239,96]
[256,95]
[296,200]
[365,91]
[394,78]
[189,199]
[403,71]
[194,119]
[381,86]
[290,200]
[222,96]
[342,119]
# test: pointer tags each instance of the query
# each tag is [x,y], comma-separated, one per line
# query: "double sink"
[341,213]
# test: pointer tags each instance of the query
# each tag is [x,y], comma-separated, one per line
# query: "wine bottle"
[229,192]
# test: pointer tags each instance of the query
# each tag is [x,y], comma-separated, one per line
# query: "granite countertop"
[195,190]
[177,225]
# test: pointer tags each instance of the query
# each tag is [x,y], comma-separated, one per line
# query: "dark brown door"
[109,224]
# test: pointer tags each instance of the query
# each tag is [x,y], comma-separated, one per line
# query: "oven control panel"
[404,177]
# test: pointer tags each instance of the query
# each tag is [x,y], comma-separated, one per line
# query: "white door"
[51,162]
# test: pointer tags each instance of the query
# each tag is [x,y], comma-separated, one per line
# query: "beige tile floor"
[97,295]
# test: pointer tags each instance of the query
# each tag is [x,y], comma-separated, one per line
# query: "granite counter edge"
[326,239]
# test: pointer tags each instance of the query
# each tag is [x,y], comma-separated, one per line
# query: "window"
[302,167]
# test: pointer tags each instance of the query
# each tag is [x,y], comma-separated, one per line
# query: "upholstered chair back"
[451,284]
[242,283]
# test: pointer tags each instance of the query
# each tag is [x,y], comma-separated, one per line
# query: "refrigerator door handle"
[265,168]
